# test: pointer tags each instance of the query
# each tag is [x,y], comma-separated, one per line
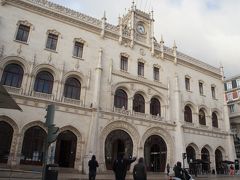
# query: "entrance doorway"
[155,153]
[66,149]
[118,141]
[33,146]
[6,134]
[218,160]
[205,156]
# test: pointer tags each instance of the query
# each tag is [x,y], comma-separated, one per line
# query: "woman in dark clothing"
[139,170]
[92,164]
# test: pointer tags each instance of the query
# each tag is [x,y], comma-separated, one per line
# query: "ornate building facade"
[116,89]
[232,92]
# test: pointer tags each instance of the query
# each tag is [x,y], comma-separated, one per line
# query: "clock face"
[140,28]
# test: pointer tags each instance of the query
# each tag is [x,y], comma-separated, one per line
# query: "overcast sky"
[208,30]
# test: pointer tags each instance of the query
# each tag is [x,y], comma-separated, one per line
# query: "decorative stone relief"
[142,52]
[25,23]
[19,50]
[1,51]
[79,40]
[55,32]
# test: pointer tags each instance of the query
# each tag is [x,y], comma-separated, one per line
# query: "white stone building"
[115,87]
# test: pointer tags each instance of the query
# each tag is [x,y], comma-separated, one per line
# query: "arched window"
[187,114]
[72,88]
[12,75]
[155,107]
[44,82]
[33,146]
[138,103]
[214,120]
[191,154]
[120,99]
[202,117]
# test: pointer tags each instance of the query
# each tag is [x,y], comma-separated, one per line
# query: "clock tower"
[139,26]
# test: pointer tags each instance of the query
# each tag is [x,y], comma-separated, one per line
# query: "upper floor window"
[78,49]
[138,103]
[124,63]
[187,83]
[187,114]
[120,99]
[22,33]
[156,73]
[229,85]
[155,107]
[238,83]
[229,96]
[140,68]
[200,84]
[202,117]
[214,120]
[12,75]
[213,92]
[52,41]
[232,108]
[72,88]
[44,82]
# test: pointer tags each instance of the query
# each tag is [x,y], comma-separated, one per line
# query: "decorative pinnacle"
[104,16]
[161,39]
[132,7]
[174,45]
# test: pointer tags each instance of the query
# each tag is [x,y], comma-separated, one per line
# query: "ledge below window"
[51,50]
[22,42]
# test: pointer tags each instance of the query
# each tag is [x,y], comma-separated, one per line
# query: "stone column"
[93,136]
[179,142]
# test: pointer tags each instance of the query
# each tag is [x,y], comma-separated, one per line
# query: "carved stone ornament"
[124,54]
[157,66]
[25,23]
[141,60]
[2,51]
[54,31]
[142,52]
[19,50]
[80,40]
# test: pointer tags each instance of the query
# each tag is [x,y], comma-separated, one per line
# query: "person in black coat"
[92,164]
[178,170]
[139,170]
[120,166]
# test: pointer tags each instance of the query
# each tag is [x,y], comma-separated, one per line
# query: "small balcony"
[13,90]
[72,101]
[42,95]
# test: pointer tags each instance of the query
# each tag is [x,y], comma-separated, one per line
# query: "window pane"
[156,73]
[12,75]
[23,32]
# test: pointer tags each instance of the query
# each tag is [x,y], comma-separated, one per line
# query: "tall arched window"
[72,88]
[202,117]
[155,107]
[12,75]
[187,114]
[120,99]
[44,82]
[138,103]
[214,120]
[33,146]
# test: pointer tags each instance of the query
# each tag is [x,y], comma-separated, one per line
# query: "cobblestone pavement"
[6,174]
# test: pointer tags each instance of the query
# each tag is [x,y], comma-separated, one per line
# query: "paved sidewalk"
[8,174]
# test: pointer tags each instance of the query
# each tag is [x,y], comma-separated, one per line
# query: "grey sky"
[208,30]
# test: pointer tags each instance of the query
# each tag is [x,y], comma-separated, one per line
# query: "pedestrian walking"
[231,170]
[139,170]
[168,169]
[93,165]
[120,166]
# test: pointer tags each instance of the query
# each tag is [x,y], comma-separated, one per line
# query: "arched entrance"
[6,134]
[218,159]
[191,154]
[205,156]
[66,149]
[33,146]
[118,141]
[155,153]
